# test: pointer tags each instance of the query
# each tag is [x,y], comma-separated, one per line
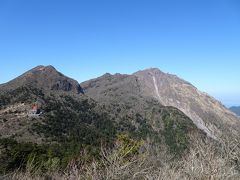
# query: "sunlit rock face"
[207,113]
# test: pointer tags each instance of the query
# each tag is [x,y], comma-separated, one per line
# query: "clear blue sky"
[198,40]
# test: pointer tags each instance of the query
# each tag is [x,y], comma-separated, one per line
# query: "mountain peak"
[107,75]
[42,68]
[150,71]
[170,90]
[46,78]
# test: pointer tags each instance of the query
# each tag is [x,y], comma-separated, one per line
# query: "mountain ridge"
[235,109]
[39,84]
[105,109]
[206,112]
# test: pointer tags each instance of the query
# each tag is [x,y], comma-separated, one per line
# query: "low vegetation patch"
[203,161]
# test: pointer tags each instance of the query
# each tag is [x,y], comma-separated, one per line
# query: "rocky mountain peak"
[42,69]
[46,78]
[150,71]
[171,90]
[206,113]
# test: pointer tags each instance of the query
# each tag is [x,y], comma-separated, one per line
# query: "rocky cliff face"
[206,112]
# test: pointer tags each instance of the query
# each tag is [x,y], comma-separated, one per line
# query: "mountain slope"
[142,115]
[206,112]
[52,91]
[235,109]
[168,90]
[71,122]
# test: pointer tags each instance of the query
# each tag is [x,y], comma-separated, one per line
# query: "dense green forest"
[72,126]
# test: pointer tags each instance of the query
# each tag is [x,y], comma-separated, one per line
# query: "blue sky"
[198,40]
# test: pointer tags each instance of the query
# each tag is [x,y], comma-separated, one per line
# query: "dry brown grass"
[205,160]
